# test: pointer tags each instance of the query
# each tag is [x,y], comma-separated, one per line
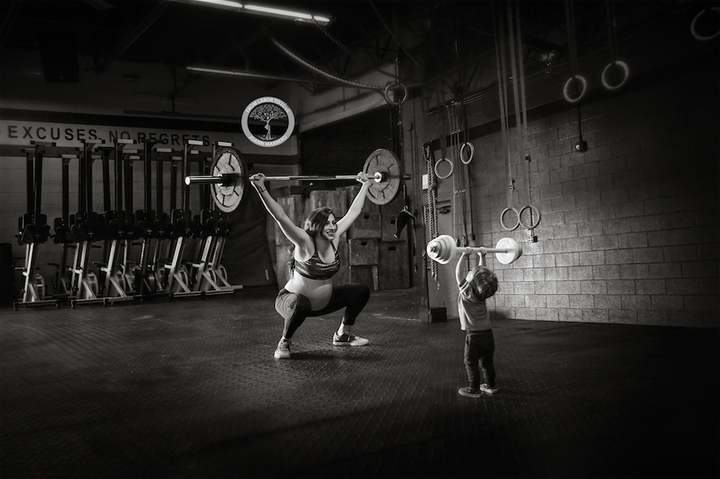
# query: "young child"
[479,284]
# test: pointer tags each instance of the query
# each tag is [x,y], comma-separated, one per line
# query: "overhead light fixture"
[261,10]
[279,12]
[221,3]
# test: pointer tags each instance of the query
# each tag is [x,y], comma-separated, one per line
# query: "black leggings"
[294,308]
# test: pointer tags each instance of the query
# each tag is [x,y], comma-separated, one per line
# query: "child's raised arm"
[460,272]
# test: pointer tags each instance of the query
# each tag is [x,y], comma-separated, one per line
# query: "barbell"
[444,249]
[229,177]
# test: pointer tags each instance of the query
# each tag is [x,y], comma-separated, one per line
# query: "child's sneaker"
[283,349]
[348,340]
[487,389]
[470,392]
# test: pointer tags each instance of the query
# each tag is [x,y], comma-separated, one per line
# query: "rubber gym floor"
[189,388]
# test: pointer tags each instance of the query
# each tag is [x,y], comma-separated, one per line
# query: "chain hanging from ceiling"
[431,210]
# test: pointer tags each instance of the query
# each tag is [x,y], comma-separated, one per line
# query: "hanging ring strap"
[502,97]
[390,95]
[519,123]
[521,61]
[513,69]
[693,26]
[450,112]
[466,140]
[510,226]
[534,217]
[519,126]
[523,106]
[443,137]
[465,157]
[575,78]
[574,81]
[438,173]
[459,180]
[612,41]
[466,131]
[626,74]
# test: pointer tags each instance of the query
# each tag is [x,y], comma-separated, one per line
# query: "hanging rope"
[395,76]
[321,72]
[465,145]
[502,97]
[349,52]
[459,190]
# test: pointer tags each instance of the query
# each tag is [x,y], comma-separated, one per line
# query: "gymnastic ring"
[502,219]
[694,32]
[622,65]
[462,152]
[531,225]
[392,86]
[449,173]
[567,85]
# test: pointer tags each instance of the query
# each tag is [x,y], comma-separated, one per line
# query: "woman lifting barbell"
[310,291]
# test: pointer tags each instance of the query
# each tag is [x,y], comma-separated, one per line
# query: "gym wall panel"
[624,223]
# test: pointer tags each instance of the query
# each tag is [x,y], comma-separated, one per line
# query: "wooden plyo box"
[366,275]
[366,226]
[393,265]
[363,252]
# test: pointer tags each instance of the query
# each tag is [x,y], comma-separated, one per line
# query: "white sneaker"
[470,392]
[349,340]
[487,389]
[283,349]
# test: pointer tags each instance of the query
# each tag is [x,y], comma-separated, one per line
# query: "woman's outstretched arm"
[294,233]
[356,207]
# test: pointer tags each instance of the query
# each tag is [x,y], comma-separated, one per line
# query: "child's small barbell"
[444,249]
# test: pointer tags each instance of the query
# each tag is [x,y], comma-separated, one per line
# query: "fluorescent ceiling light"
[262,10]
[279,12]
[222,3]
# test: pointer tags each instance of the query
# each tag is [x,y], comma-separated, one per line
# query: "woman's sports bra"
[315,268]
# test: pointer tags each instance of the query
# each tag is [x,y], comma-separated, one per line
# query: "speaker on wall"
[59,57]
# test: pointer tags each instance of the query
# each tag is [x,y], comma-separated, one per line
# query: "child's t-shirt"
[473,311]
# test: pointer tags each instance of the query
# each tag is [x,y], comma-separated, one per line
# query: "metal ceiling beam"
[9,20]
[134,35]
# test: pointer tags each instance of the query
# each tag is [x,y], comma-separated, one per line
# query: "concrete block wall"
[630,228]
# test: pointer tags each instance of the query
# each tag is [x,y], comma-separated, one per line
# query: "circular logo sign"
[268,121]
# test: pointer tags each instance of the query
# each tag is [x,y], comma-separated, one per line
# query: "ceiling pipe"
[260,76]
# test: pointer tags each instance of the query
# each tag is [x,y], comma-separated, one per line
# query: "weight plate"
[512,253]
[227,197]
[384,161]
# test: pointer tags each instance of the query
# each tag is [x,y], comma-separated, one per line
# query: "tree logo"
[268,122]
